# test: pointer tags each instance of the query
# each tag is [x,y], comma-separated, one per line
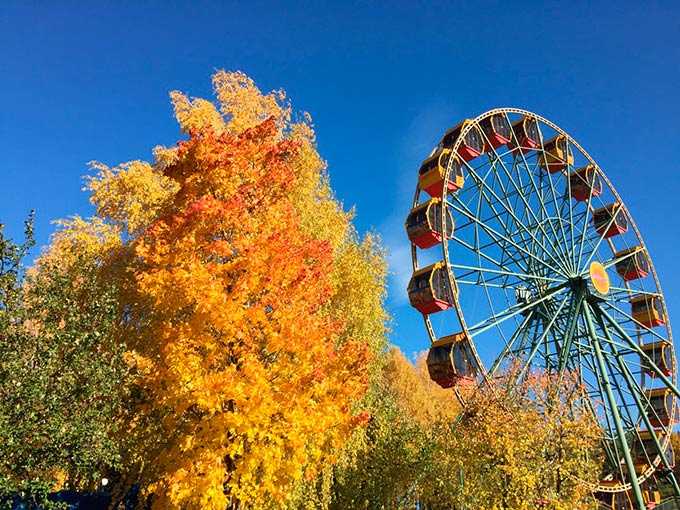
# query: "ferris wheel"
[523,252]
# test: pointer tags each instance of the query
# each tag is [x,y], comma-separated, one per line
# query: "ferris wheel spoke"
[476,223]
[481,252]
[541,202]
[617,344]
[510,312]
[601,237]
[527,207]
[521,330]
[570,330]
[627,291]
[507,207]
[539,343]
[547,310]
[473,269]
[569,201]
[557,207]
[584,229]
[623,442]
[481,184]
[615,261]
[494,233]
[634,345]
[508,195]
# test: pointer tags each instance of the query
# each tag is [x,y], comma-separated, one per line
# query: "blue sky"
[83,81]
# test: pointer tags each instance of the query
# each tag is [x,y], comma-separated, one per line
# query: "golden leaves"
[524,443]
[242,103]
[196,115]
[91,238]
[130,195]
[260,336]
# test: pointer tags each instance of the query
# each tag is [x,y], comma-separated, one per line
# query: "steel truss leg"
[613,407]
[630,382]
[633,387]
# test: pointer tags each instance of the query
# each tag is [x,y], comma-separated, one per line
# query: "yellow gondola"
[661,400]
[661,354]
[429,290]
[647,310]
[556,154]
[433,170]
[472,144]
[424,224]
[450,361]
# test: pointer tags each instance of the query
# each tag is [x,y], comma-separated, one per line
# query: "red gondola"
[472,144]
[450,361]
[497,129]
[610,220]
[661,400]
[424,224]
[661,354]
[582,180]
[526,135]
[634,263]
[433,171]
[429,290]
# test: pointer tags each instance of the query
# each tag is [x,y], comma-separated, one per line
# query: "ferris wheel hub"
[599,277]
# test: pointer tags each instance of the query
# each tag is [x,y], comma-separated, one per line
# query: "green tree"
[62,383]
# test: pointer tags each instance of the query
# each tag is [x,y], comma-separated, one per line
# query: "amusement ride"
[524,253]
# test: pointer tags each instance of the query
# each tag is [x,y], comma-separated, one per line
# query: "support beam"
[635,391]
[613,407]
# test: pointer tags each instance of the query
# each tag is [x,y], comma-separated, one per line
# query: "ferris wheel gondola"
[547,268]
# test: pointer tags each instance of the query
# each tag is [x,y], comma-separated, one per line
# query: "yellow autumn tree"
[512,447]
[524,446]
[251,309]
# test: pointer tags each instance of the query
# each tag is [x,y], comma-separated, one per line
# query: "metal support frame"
[634,389]
[613,407]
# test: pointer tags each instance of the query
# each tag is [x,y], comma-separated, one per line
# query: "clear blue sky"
[89,80]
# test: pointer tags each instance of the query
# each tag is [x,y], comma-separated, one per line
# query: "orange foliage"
[241,367]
